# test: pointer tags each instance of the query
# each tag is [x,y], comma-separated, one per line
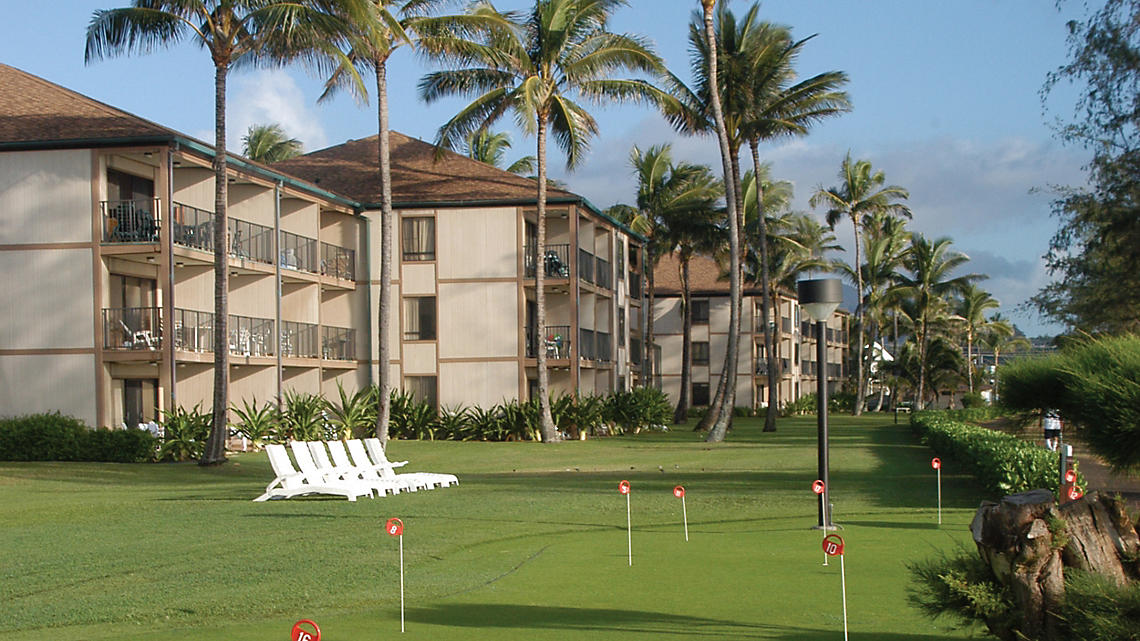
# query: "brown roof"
[350,169]
[33,110]
[704,278]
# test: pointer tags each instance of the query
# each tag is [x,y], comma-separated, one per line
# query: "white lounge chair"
[385,470]
[290,482]
[369,477]
[376,452]
[307,465]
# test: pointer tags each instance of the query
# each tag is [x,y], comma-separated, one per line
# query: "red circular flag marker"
[301,634]
[1075,493]
[394,527]
[833,545]
[817,487]
[679,492]
[936,463]
[623,487]
[1070,476]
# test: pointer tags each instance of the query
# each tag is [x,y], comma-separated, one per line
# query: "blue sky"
[945,95]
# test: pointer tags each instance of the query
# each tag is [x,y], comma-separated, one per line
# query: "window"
[700,394]
[419,318]
[701,312]
[700,353]
[422,389]
[418,238]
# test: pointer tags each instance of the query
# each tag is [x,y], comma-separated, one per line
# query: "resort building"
[793,336]
[107,247]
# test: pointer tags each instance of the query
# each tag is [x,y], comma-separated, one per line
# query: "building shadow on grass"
[620,621]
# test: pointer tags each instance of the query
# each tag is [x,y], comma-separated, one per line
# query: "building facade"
[106,239]
[793,338]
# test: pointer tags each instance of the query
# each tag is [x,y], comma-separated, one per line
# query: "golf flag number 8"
[394,527]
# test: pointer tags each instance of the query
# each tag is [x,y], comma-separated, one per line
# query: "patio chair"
[343,466]
[376,451]
[384,469]
[139,338]
[290,483]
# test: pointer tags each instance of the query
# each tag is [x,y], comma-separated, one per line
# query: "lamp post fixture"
[819,298]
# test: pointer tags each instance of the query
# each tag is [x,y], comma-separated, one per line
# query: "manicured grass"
[531,545]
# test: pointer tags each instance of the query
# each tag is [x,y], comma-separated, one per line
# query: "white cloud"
[266,97]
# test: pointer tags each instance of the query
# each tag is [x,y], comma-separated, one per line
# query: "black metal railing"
[556,265]
[761,367]
[603,347]
[132,328]
[805,329]
[299,252]
[338,343]
[603,274]
[130,221]
[585,266]
[556,342]
[635,351]
[192,227]
[834,370]
[299,340]
[634,285]
[830,335]
[193,330]
[250,336]
[338,262]
[586,344]
[250,241]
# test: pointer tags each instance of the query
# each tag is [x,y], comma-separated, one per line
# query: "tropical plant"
[269,143]
[860,194]
[254,422]
[971,309]
[491,148]
[532,65]
[184,433]
[303,417]
[355,415]
[235,33]
[453,423]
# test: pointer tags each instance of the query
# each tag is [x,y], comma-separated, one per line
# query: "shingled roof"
[44,114]
[704,278]
[417,178]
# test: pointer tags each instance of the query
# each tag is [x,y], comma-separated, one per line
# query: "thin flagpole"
[685,514]
[401,583]
[629,530]
[843,583]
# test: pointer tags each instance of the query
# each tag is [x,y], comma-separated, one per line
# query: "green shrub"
[803,405]
[1002,463]
[258,424]
[355,415]
[1097,609]
[973,399]
[302,417]
[184,433]
[963,588]
[55,437]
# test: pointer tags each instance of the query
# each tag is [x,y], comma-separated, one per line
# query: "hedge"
[55,437]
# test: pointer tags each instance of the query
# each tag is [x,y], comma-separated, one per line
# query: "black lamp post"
[819,298]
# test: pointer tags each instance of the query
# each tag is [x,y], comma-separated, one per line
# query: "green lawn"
[531,545]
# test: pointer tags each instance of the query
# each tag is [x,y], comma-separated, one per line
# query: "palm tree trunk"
[651,298]
[921,339]
[895,346]
[728,377]
[546,421]
[215,451]
[681,414]
[970,358]
[387,230]
[860,389]
[765,295]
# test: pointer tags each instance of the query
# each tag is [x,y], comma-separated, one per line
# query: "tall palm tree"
[533,65]
[236,33]
[929,283]
[861,193]
[491,148]
[972,310]
[886,243]
[269,143]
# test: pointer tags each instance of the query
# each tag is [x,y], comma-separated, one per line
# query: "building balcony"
[132,328]
[635,285]
[556,264]
[586,344]
[556,342]
[338,343]
[338,262]
[603,274]
[585,266]
[130,221]
[299,340]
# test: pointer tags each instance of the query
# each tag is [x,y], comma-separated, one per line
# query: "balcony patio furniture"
[554,266]
[138,338]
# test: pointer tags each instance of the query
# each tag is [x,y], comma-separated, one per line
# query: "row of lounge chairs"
[343,468]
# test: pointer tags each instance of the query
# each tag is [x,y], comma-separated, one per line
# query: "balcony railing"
[634,285]
[786,325]
[585,266]
[338,343]
[299,340]
[132,328]
[603,347]
[192,227]
[338,262]
[299,252]
[556,264]
[635,351]
[556,342]
[603,274]
[586,344]
[251,336]
[130,221]
[193,331]
[250,241]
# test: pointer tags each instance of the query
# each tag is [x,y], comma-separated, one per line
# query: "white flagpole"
[401,583]
[685,514]
[629,530]
[939,495]
[843,583]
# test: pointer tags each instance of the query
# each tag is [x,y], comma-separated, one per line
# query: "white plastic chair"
[290,482]
[308,466]
[376,452]
[384,470]
[346,468]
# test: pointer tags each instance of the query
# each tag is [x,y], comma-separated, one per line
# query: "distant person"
[1051,423]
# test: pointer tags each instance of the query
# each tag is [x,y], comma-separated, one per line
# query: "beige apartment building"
[106,244]
[794,338]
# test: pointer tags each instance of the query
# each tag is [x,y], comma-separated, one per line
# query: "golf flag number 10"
[833,546]
[679,492]
[395,527]
[301,634]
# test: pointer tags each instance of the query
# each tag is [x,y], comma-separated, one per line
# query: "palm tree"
[532,65]
[269,144]
[972,310]
[928,284]
[235,33]
[491,148]
[885,243]
[860,193]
